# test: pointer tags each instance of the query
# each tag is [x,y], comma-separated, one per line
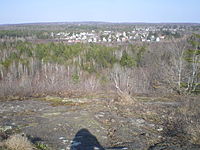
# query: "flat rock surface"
[94,124]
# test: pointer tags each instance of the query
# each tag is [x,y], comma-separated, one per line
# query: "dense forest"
[28,68]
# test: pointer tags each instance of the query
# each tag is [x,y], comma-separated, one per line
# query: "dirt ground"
[88,123]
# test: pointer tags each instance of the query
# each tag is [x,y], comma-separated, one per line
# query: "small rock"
[140,121]
[159,137]
[68,147]
[100,115]
[13,124]
[64,141]
[61,138]
[160,129]
[7,128]
[151,125]
[115,108]
[112,120]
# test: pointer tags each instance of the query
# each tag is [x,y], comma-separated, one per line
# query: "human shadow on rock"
[84,140]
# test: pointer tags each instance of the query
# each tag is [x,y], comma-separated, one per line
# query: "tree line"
[29,68]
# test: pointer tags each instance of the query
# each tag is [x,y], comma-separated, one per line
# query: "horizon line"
[97,22]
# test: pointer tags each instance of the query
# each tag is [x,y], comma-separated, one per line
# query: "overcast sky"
[153,11]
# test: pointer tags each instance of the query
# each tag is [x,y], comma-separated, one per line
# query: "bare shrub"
[125,97]
[18,142]
[131,80]
[191,110]
[174,126]
[194,131]
[183,123]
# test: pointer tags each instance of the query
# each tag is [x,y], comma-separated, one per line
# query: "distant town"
[97,32]
[108,36]
[139,33]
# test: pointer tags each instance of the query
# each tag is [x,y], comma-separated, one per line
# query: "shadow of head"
[84,140]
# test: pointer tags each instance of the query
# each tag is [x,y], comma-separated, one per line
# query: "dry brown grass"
[194,131]
[125,98]
[18,142]
[185,121]
[191,112]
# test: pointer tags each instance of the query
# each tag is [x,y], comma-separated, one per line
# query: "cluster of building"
[143,34]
